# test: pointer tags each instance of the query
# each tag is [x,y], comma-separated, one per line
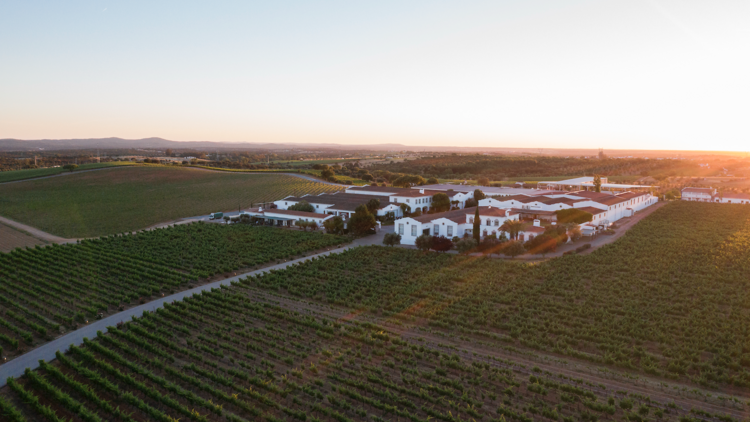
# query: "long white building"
[712,195]
[606,209]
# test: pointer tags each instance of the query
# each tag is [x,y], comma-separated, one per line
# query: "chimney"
[260,209]
[537,223]
[421,191]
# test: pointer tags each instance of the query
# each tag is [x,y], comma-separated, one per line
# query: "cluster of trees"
[485,168]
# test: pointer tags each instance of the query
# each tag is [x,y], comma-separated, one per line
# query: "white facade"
[452,224]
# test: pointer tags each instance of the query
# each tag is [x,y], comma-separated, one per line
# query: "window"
[401,229]
[450,231]
[497,222]
[413,230]
[407,200]
[488,222]
[471,220]
[436,230]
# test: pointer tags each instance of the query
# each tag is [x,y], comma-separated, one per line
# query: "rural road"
[46,352]
[34,232]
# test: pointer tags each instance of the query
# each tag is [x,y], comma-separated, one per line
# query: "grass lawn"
[108,202]
[9,176]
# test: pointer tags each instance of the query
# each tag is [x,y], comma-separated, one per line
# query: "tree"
[70,167]
[558,232]
[367,177]
[513,249]
[302,206]
[542,244]
[573,215]
[483,181]
[479,195]
[327,174]
[432,181]
[168,152]
[470,203]
[512,227]
[441,244]
[475,227]
[405,209]
[490,245]
[575,233]
[392,239]
[373,205]
[466,245]
[301,224]
[441,202]
[361,221]
[334,225]
[408,181]
[424,242]
[226,219]
[597,181]
[312,225]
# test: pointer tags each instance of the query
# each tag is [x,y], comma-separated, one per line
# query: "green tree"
[597,183]
[573,215]
[392,239]
[512,227]
[301,224]
[70,167]
[405,209]
[483,181]
[441,202]
[424,242]
[361,221]
[334,225]
[475,227]
[432,181]
[466,245]
[302,206]
[327,174]
[479,195]
[373,205]
[513,249]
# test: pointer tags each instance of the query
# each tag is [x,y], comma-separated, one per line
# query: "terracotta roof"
[592,210]
[734,195]
[451,215]
[493,211]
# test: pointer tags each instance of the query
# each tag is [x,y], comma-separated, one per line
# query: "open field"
[10,176]
[107,202]
[235,354]
[46,291]
[670,298]
[11,238]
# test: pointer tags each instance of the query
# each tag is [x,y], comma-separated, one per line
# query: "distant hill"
[160,143]
[119,143]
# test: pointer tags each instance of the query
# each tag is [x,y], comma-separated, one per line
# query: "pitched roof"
[592,210]
[734,195]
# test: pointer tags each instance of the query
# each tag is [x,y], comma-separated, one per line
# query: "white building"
[712,195]
[281,217]
[450,224]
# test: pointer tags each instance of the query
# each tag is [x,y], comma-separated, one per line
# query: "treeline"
[497,168]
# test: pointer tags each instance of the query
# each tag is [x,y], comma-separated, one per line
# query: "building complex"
[712,195]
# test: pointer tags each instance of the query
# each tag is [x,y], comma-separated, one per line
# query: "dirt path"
[35,232]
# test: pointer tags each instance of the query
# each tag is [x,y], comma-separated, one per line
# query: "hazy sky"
[657,74]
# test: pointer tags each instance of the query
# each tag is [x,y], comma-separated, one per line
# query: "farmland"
[11,238]
[10,176]
[126,199]
[235,354]
[49,290]
[669,299]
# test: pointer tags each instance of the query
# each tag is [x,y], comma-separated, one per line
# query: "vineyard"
[669,299]
[115,201]
[233,354]
[45,291]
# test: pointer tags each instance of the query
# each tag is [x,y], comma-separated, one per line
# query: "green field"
[9,176]
[670,298]
[120,200]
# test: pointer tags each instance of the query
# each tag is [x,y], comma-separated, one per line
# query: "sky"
[634,74]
